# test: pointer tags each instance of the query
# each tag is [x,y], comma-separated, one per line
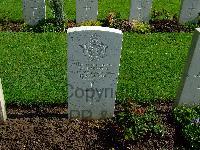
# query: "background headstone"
[86,10]
[189,11]
[189,92]
[140,10]
[33,11]
[3,116]
[93,66]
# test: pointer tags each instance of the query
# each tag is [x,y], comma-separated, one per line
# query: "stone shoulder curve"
[94,28]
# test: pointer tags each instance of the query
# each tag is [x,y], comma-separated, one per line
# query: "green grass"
[33,66]
[151,65]
[171,6]
[12,9]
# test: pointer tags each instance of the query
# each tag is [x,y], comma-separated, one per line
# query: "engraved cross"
[34,9]
[140,6]
[191,9]
[87,8]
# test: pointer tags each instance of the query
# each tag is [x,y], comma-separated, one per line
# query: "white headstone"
[86,10]
[189,92]
[93,66]
[189,12]
[33,11]
[140,10]
[3,115]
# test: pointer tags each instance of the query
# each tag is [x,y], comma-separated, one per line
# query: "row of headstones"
[93,66]
[35,10]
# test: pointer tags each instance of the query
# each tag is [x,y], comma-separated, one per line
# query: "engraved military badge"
[94,49]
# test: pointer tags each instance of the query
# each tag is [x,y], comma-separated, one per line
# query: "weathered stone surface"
[93,66]
[140,10]
[33,11]
[189,92]
[86,10]
[189,11]
[3,115]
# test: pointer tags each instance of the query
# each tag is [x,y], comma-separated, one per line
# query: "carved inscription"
[86,114]
[140,10]
[86,10]
[94,50]
[142,6]
[189,11]
[92,71]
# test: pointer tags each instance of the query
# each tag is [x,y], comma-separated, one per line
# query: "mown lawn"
[33,66]
[12,9]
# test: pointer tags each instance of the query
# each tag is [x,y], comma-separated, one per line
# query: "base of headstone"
[3,115]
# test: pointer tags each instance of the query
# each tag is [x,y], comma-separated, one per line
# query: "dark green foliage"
[139,122]
[188,118]
[90,23]
[111,17]
[190,27]
[57,9]
[162,15]
[44,26]
[113,20]
[125,26]
[192,134]
[140,27]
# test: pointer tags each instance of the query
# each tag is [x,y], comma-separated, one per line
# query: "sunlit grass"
[33,66]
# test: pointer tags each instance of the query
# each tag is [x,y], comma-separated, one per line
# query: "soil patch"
[50,25]
[48,127]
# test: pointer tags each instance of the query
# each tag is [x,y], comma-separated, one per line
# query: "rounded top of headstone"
[94,28]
